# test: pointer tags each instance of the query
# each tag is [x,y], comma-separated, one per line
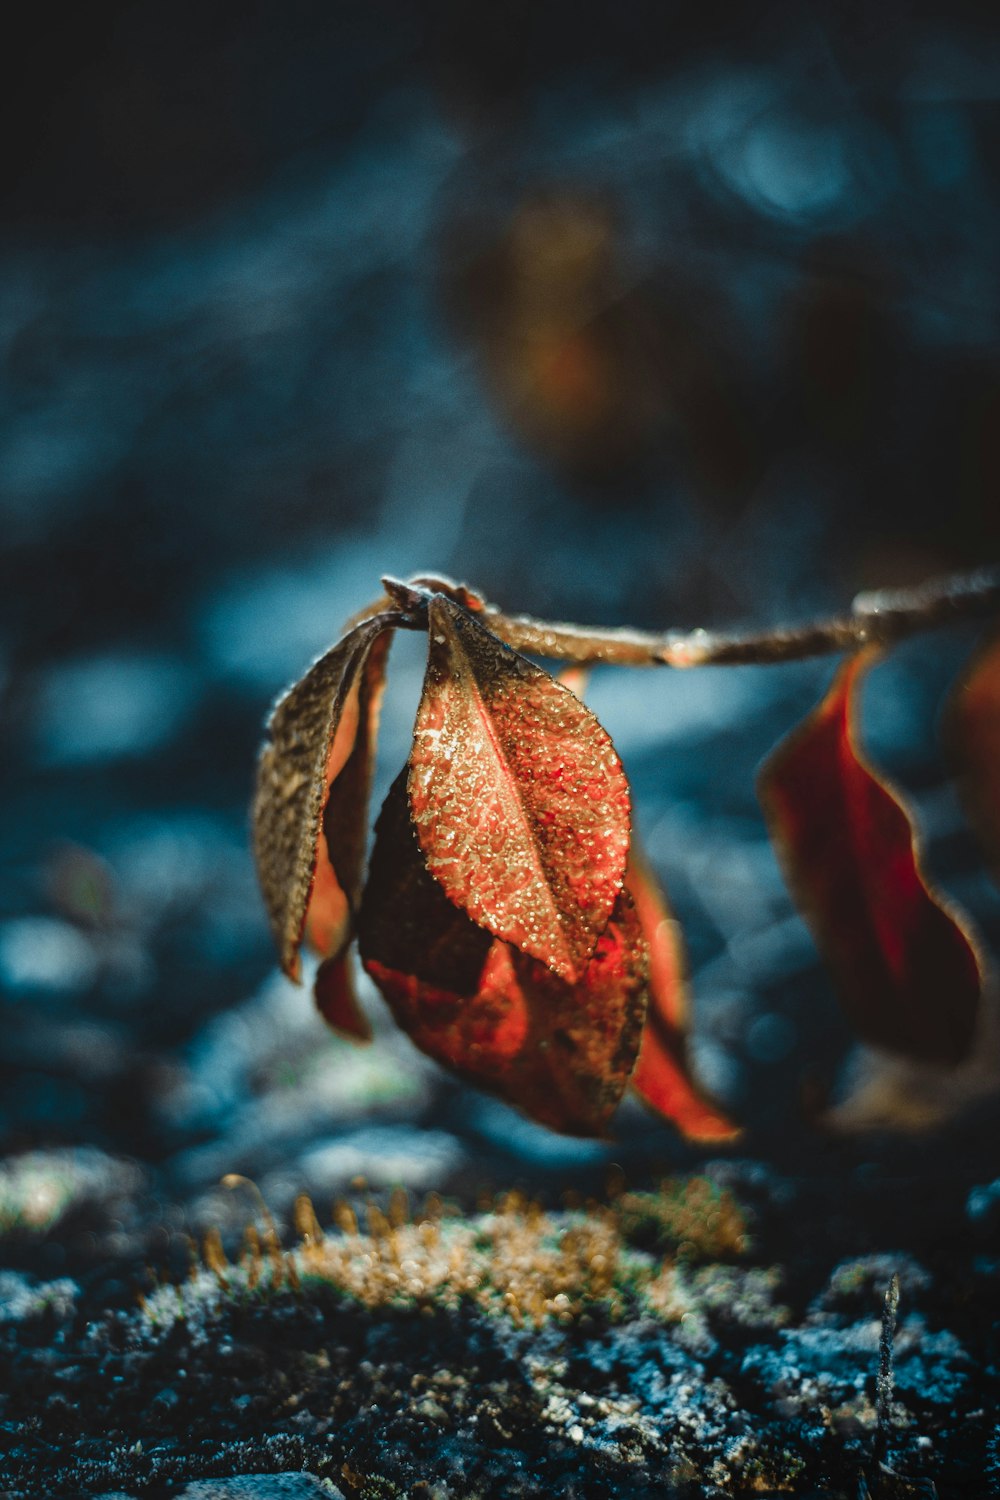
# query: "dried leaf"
[662,1074]
[562,1053]
[973,734]
[904,965]
[345,832]
[519,800]
[319,732]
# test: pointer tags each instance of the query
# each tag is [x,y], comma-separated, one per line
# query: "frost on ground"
[592,1351]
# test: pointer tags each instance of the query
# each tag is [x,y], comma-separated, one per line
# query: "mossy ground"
[650,1344]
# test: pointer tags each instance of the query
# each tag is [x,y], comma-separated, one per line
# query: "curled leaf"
[662,1076]
[313,772]
[562,1053]
[973,733]
[519,800]
[907,973]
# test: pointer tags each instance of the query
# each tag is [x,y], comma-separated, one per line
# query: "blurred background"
[627,313]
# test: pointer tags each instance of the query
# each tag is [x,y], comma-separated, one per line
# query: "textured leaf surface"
[973,730]
[905,968]
[662,1074]
[320,736]
[519,800]
[562,1053]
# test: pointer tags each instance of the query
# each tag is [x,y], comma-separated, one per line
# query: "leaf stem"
[879,618]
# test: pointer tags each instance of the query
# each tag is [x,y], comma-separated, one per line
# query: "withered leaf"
[906,971]
[973,734]
[662,1076]
[560,1052]
[519,800]
[314,769]
[342,848]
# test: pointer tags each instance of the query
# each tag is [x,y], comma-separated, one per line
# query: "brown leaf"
[906,970]
[345,830]
[973,735]
[662,1074]
[561,1053]
[519,800]
[320,735]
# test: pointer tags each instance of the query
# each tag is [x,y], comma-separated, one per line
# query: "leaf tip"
[337,1002]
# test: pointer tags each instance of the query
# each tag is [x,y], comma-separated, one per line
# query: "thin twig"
[880,618]
[884,1380]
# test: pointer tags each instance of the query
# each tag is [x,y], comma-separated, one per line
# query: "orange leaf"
[662,1074]
[519,800]
[904,965]
[561,1053]
[973,733]
[320,734]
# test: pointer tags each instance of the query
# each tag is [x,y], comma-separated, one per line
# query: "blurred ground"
[635,314]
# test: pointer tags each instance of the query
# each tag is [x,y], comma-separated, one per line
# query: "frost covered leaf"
[519,800]
[905,967]
[662,1076]
[313,773]
[560,1052]
[973,732]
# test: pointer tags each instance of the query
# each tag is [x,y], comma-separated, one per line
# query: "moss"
[690,1216]
[513,1259]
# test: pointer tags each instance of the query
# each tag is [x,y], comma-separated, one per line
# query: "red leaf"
[316,761]
[336,1000]
[973,732]
[905,968]
[518,798]
[662,1074]
[562,1053]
